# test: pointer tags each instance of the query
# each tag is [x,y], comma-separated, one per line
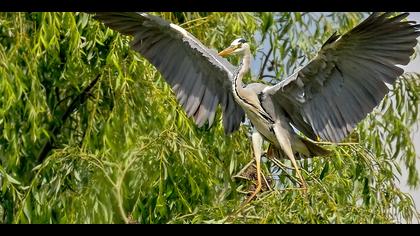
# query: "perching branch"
[75,104]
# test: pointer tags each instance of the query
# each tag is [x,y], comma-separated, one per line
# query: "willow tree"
[91,133]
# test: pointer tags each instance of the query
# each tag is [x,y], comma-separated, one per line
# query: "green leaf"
[324,170]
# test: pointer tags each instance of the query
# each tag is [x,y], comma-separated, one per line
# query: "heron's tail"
[314,150]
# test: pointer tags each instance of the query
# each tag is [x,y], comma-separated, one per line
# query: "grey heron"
[325,99]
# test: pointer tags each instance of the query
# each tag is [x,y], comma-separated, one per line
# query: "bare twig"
[239,174]
[268,76]
[260,75]
[76,103]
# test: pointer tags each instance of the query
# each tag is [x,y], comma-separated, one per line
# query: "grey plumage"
[199,77]
[343,83]
[326,98]
[346,80]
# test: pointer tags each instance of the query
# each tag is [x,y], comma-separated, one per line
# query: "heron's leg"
[257,140]
[284,141]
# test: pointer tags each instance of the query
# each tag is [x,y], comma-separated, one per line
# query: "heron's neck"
[242,70]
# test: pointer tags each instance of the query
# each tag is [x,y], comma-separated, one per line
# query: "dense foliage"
[91,133]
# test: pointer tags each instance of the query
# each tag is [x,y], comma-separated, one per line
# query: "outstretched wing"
[199,77]
[348,77]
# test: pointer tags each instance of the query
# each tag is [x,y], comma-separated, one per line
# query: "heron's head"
[238,46]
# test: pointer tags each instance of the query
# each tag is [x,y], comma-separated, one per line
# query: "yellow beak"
[227,51]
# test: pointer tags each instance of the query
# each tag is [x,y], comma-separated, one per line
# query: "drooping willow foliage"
[91,133]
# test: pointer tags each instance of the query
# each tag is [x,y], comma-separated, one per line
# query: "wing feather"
[347,79]
[199,77]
